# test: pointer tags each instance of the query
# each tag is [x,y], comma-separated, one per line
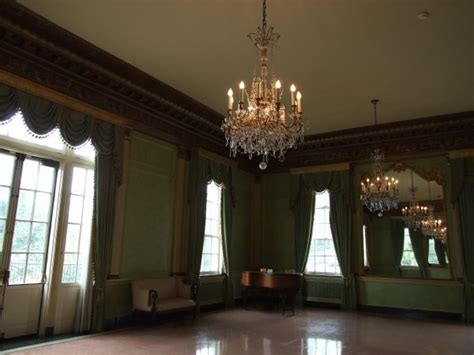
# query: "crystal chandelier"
[414,214]
[433,227]
[261,124]
[379,193]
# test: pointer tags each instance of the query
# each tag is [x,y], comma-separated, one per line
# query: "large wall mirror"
[411,240]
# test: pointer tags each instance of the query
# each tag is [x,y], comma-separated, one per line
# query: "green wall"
[149,209]
[278,244]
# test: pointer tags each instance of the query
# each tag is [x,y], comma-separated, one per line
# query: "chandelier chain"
[264,16]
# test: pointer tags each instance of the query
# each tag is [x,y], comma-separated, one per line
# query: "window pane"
[78,181]
[42,206]
[69,268]
[17,268]
[21,237]
[25,204]
[46,178]
[206,262]
[7,162]
[29,175]
[432,258]
[4,201]
[75,209]
[215,263]
[38,237]
[34,269]
[2,233]
[72,238]
[207,245]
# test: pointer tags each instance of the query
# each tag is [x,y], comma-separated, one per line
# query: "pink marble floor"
[310,331]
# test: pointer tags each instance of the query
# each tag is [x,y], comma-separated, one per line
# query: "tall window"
[32,222]
[212,259]
[34,181]
[408,257]
[364,237]
[79,224]
[322,255]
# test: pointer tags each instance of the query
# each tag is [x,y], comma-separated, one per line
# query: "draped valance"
[42,116]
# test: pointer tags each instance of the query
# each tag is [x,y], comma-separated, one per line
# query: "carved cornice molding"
[422,136]
[35,49]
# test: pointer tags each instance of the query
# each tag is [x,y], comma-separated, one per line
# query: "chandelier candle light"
[432,227]
[379,193]
[414,214]
[260,124]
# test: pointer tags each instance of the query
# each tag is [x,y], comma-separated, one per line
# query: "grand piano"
[272,285]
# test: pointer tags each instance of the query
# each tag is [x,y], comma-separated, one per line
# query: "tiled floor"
[310,331]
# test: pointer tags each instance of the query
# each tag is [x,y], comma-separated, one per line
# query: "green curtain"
[338,184]
[465,206]
[102,236]
[440,249]
[42,116]
[398,232]
[197,216]
[303,211]
[201,172]
[419,243]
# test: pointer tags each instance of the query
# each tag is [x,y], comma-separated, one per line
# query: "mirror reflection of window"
[209,347]
[320,346]
[408,258]
[432,257]
[364,236]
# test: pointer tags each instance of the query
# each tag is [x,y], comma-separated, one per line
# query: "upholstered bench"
[163,295]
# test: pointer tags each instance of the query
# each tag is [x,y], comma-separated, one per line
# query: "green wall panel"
[324,289]
[241,227]
[278,244]
[149,209]
[211,292]
[441,297]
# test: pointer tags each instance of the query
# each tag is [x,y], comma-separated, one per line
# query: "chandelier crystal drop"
[261,124]
[379,193]
[414,214]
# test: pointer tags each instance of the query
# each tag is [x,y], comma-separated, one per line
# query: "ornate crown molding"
[422,136]
[34,48]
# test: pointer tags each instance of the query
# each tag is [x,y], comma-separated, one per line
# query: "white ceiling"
[341,53]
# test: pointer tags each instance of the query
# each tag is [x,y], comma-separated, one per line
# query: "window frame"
[320,273]
[406,233]
[221,265]
[67,159]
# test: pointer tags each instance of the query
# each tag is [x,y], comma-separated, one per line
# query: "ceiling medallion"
[379,193]
[261,124]
[414,214]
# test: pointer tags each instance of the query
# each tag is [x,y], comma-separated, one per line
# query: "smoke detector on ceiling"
[423,15]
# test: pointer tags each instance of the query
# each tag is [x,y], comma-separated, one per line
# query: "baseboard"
[411,313]
[320,304]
